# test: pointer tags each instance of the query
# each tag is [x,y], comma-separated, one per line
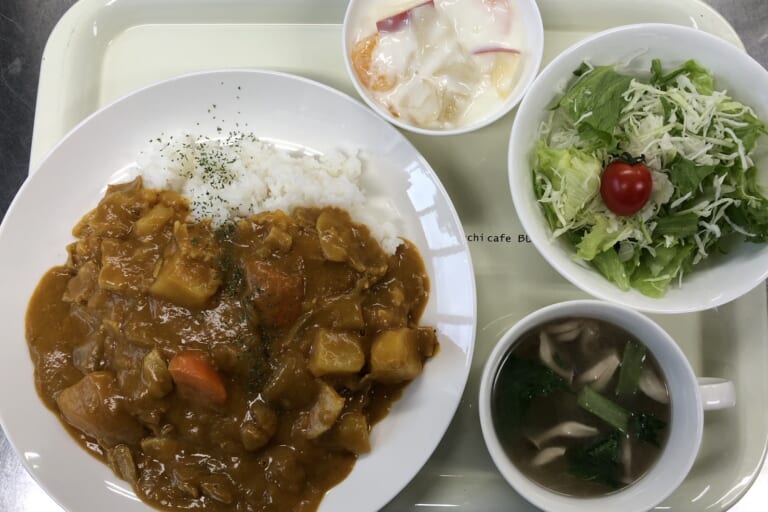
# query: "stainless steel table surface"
[24,28]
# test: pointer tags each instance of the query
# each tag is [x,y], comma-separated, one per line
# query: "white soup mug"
[689,397]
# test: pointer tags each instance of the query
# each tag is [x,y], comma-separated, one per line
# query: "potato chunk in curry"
[336,353]
[395,356]
[238,367]
[185,281]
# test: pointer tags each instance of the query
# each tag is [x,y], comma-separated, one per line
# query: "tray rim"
[63,32]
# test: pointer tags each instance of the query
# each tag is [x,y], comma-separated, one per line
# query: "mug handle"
[716,393]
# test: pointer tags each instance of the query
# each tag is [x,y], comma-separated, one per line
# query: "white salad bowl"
[360,21]
[721,277]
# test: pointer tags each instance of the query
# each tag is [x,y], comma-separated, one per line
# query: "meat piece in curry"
[237,368]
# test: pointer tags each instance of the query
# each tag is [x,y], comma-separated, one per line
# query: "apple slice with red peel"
[400,20]
[504,68]
[495,49]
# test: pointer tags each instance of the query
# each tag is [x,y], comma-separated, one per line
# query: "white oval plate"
[284,108]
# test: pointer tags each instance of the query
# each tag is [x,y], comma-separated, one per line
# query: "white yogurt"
[442,64]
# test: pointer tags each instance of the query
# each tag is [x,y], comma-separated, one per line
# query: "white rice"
[239,175]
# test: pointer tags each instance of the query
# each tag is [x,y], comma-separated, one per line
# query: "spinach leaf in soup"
[647,428]
[522,381]
[599,461]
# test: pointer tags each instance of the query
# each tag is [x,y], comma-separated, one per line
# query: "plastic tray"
[103,49]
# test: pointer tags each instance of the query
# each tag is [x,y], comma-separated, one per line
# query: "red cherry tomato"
[625,186]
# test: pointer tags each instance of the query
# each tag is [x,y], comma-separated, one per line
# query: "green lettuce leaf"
[609,264]
[751,132]
[595,101]
[678,225]
[700,77]
[550,214]
[655,273]
[657,72]
[598,239]
[574,173]
[752,214]
[686,176]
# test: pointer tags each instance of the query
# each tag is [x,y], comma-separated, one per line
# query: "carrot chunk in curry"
[229,368]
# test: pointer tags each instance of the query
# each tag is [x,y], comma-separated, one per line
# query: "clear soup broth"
[581,407]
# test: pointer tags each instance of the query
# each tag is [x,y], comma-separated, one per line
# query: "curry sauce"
[230,368]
